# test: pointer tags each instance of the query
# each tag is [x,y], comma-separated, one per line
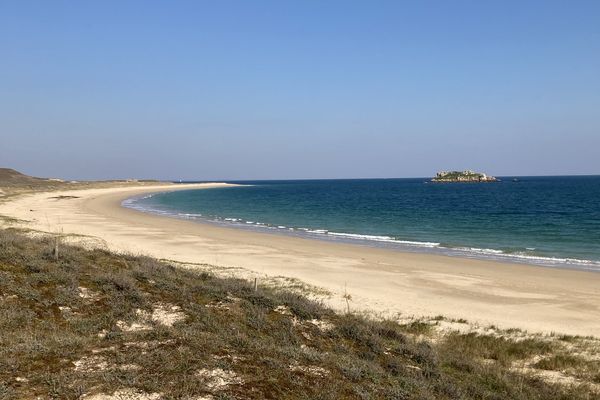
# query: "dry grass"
[576,366]
[64,335]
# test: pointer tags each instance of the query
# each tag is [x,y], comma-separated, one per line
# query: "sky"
[230,90]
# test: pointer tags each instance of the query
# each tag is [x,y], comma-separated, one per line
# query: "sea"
[549,221]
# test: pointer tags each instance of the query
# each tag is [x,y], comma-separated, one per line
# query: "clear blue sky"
[299,89]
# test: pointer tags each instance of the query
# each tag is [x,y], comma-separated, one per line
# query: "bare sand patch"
[162,313]
[92,363]
[218,379]
[87,294]
[167,314]
[310,370]
[135,326]
[322,324]
[124,394]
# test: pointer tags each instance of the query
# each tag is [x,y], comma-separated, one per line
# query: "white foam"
[388,239]
[477,250]
[543,260]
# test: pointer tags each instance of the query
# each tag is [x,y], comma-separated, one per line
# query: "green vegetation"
[97,322]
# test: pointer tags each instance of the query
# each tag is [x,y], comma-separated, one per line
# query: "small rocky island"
[462,176]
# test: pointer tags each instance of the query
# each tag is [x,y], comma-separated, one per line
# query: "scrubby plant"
[93,321]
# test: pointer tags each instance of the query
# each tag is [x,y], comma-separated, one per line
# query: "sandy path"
[507,295]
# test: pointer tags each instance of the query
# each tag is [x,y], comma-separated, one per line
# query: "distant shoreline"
[420,178]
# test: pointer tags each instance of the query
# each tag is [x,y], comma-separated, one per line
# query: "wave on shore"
[522,256]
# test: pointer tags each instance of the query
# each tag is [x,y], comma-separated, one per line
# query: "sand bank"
[385,281]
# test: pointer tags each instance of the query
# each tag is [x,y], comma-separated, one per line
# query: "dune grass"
[97,322]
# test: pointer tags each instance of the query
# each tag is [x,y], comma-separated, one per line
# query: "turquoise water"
[551,221]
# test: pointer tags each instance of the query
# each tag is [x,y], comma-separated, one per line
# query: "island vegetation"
[463,176]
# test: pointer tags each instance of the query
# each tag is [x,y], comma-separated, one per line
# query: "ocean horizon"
[542,220]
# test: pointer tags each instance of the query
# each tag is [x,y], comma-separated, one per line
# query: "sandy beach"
[383,281]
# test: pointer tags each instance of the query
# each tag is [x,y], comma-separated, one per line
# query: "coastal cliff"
[462,176]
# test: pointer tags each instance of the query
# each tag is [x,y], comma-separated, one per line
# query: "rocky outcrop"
[462,176]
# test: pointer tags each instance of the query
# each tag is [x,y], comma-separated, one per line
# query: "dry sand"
[538,299]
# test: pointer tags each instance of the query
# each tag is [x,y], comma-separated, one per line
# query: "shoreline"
[373,241]
[509,295]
